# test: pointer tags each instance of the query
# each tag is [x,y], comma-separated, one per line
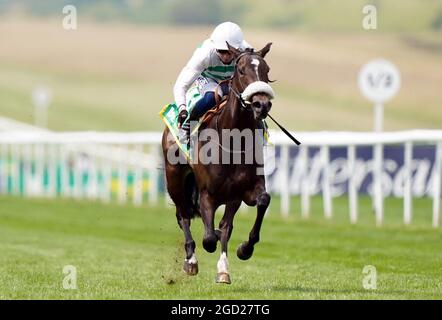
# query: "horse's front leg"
[224,233]
[261,199]
[207,210]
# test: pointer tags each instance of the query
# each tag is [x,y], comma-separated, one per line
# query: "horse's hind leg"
[262,199]
[190,263]
[175,185]
[176,176]
[184,215]
[224,232]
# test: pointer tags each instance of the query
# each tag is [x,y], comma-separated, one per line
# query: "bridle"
[247,105]
[244,104]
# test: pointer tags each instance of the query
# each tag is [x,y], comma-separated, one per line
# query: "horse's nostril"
[257,105]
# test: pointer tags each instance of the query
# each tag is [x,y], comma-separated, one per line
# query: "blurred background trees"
[394,15]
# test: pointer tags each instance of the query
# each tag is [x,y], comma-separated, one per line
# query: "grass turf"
[122,252]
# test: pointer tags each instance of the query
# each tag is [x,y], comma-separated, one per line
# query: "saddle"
[215,110]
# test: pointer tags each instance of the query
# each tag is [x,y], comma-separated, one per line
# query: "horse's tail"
[192,195]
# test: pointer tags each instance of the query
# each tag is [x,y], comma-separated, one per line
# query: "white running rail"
[127,166]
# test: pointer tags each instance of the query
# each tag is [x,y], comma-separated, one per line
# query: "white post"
[39,167]
[437,173]
[138,179]
[27,168]
[65,178]
[52,153]
[106,172]
[153,175]
[93,176]
[78,170]
[168,199]
[352,192]
[408,156]
[4,168]
[377,168]
[378,117]
[41,116]
[377,184]
[305,183]
[15,166]
[122,176]
[41,97]
[284,181]
[379,80]
[326,190]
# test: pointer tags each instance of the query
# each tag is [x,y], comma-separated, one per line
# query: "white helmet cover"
[227,32]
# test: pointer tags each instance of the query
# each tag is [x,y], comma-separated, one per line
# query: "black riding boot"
[200,108]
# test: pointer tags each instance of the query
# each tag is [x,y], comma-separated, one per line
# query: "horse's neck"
[234,117]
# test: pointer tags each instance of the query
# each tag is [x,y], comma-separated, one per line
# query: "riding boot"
[201,107]
[184,132]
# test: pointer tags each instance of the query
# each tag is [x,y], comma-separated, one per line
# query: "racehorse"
[199,189]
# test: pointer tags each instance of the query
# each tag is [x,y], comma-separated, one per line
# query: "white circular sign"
[379,80]
[41,96]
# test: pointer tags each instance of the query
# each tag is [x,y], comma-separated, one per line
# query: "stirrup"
[184,134]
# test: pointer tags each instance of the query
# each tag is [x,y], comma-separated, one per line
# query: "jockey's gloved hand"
[182,116]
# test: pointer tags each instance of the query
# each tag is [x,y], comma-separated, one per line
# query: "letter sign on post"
[379,81]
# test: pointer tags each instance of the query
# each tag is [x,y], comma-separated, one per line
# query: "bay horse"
[199,189]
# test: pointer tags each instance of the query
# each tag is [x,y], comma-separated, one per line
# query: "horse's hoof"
[209,243]
[190,269]
[244,252]
[223,277]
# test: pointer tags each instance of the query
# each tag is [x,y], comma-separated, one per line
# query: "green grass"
[122,252]
[81,102]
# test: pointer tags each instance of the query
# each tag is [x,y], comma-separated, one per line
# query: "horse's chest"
[237,182]
[241,176]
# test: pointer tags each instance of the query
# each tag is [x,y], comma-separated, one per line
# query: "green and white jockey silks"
[202,74]
[198,90]
[193,95]
[204,62]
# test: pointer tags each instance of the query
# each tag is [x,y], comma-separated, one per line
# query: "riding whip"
[285,131]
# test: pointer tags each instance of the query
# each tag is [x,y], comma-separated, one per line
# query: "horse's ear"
[235,51]
[265,50]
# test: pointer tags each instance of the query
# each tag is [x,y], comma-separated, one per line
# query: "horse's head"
[251,80]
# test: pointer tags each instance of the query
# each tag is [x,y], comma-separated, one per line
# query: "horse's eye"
[241,71]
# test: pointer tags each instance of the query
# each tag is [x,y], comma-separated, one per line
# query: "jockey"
[211,63]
